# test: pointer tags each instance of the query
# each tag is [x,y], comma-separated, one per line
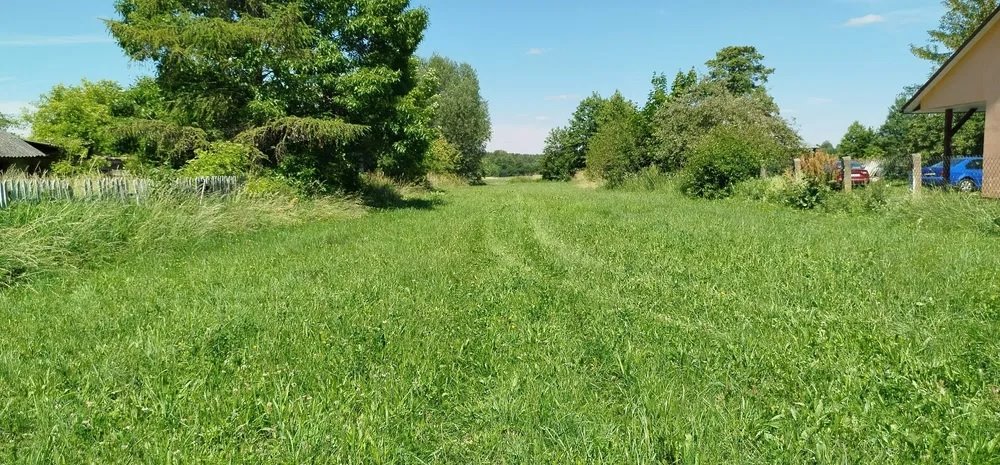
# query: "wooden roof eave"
[915,104]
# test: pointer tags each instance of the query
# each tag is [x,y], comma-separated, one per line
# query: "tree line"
[316,92]
[721,127]
[718,128]
[503,164]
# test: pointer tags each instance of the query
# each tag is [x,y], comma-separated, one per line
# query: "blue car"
[966,174]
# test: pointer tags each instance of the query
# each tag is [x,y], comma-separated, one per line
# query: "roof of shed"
[12,146]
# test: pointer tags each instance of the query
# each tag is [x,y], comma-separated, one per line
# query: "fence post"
[797,163]
[848,175]
[3,194]
[918,174]
[763,171]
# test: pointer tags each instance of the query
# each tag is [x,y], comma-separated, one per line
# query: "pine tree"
[962,19]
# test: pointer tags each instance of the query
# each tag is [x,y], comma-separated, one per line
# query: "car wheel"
[967,185]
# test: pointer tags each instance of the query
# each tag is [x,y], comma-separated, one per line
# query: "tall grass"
[39,237]
[522,323]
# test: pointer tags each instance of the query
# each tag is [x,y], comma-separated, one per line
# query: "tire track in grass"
[593,325]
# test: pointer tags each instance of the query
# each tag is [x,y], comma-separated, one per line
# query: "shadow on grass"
[386,197]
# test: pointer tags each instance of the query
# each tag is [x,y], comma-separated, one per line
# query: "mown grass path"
[526,323]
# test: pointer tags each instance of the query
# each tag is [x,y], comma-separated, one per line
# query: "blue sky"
[837,60]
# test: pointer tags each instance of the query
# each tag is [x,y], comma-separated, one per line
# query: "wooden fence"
[122,189]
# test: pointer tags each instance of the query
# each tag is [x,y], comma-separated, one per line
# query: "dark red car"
[859,175]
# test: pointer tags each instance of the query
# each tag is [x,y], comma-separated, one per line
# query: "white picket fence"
[123,189]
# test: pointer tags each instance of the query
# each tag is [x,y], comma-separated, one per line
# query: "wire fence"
[40,189]
[991,175]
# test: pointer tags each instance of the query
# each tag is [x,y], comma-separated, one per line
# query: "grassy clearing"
[522,323]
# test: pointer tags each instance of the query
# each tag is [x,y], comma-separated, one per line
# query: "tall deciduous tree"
[658,96]
[686,118]
[229,67]
[960,21]
[616,149]
[740,69]
[684,82]
[559,157]
[566,148]
[80,119]
[857,141]
[461,114]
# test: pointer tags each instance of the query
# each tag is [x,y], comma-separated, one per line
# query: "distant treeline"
[501,164]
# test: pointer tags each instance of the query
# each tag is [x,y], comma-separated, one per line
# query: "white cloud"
[43,41]
[866,20]
[560,98]
[537,51]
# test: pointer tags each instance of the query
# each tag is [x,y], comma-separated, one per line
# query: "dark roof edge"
[36,143]
[952,58]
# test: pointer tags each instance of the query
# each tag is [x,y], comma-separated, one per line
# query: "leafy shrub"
[806,195]
[815,187]
[566,148]
[443,156]
[773,189]
[222,159]
[269,186]
[143,168]
[616,150]
[874,197]
[92,165]
[726,156]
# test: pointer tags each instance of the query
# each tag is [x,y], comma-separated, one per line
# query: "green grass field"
[521,323]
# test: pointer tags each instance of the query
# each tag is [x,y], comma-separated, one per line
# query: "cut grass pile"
[521,323]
